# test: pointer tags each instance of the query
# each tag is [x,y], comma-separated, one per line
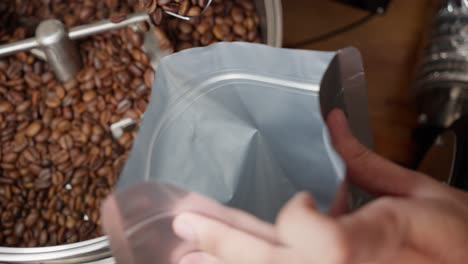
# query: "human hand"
[414,220]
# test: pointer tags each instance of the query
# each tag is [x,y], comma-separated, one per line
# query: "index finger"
[368,170]
[224,242]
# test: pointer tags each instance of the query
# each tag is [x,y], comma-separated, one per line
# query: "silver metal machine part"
[61,52]
[118,128]
[441,88]
[84,31]
[187,18]
[39,54]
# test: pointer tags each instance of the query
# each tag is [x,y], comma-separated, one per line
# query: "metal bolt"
[422,118]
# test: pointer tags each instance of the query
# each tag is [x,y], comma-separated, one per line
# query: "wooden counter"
[390,45]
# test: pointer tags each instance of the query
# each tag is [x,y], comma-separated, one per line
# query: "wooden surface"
[389,44]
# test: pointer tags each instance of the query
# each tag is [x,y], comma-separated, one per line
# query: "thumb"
[368,170]
[199,258]
[395,230]
[377,231]
[223,241]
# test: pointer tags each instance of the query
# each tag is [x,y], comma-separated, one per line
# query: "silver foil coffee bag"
[244,124]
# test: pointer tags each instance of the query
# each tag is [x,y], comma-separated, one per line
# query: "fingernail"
[340,116]
[197,258]
[184,229]
[340,119]
[307,198]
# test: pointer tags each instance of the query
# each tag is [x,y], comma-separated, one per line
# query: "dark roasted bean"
[33,129]
[5,107]
[32,155]
[118,17]
[31,218]
[19,229]
[43,237]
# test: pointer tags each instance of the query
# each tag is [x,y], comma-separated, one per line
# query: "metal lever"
[62,55]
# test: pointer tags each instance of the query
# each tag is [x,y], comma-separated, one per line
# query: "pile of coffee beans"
[58,159]
[7,18]
[72,12]
[7,11]
[25,15]
[223,20]
[157,8]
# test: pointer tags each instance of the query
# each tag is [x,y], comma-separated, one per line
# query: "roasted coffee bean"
[20,143]
[61,220]
[5,107]
[72,238]
[137,72]
[149,77]
[31,219]
[19,229]
[45,174]
[46,77]
[70,222]
[42,136]
[5,191]
[61,235]
[24,106]
[118,17]
[33,129]
[11,241]
[67,113]
[32,155]
[6,181]
[66,142]
[86,75]
[53,101]
[60,157]
[86,13]
[157,16]
[58,178]
[123,106]
[89,95]
[62,126]
[70,85]
[136,38]
[22,126]
[79,160]
[32,80]
[43,237]
[104,171]
[79,176]
[10,157]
